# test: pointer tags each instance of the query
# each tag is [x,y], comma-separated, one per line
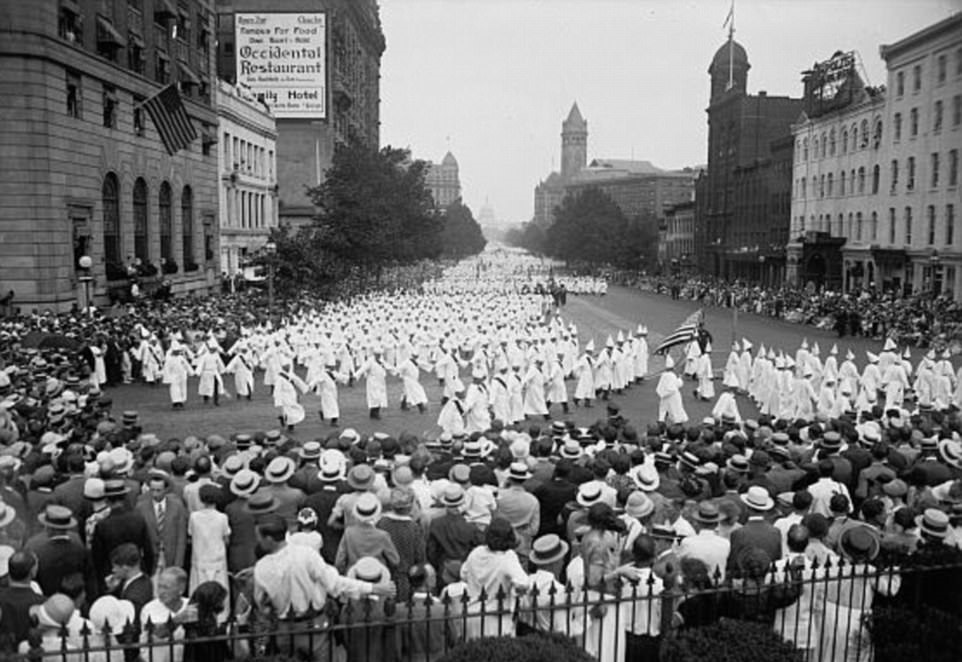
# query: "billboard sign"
[829,85]
[282,58]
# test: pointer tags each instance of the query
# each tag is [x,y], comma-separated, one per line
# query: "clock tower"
[574,143]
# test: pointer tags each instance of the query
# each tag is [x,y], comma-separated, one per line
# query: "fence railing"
[829,613]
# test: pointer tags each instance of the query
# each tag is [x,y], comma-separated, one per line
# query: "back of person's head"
[126,555]
[602,516]
[202,466]
[620,464]
[731,480]
[499,536]
[817,525]
[643,549]
[754,563]
[563,468]
[904,518]
[880,451]
[179,466]
[418,576]
[826,468]
[801,500]
[695,573]
[75,463]
[20,566]
[273,526]
[209,494]
[872,508]
[600,468]
[797,538]
[838,504]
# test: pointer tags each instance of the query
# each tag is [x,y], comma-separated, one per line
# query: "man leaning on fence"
[292,584]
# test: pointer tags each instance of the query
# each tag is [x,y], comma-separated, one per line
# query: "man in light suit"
[166,517]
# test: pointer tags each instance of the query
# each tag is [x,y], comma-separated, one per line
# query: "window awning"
[107,34]
[136,40]
[71,6]
[186,75]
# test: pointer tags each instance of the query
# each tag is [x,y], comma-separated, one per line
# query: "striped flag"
[731,16]
[685,333]
[171,119]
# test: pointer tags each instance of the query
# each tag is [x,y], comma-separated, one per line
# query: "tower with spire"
[574,143]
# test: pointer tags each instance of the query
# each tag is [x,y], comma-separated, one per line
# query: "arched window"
[876,176]
[830,183]
[824,143]
[841,183]
[187,222]
[166,224]
[861,179]
[140,220]
[858,226]
[841,226]
[831,143]
[110,195]
[805,149]
[874,226]
[850,228]
[877,135]
[844,141]
[864,129]
[854,137]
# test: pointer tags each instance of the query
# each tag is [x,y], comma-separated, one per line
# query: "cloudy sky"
[492,80]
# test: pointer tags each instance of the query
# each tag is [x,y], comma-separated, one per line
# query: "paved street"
[622,309]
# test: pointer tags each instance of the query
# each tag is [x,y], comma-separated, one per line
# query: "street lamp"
[271,249]
[85,263]
[935,261]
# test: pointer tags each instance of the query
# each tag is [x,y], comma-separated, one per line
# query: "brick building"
[305,145]
[550,192]
[676,246]
[84,171]
[741,132]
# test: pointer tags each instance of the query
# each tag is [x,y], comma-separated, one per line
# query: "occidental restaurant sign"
[282,58]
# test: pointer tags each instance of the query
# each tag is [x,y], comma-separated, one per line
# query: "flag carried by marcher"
[171,119]
[685,333]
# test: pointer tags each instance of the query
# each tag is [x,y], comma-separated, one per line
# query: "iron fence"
[832,613]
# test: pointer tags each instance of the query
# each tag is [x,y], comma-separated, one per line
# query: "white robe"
[477,418]
[325,385]
[209,368]
[670,405]
[410,373]
[585,386]
[451,418]
[726,404]
[534,401]
[641,358]
[515,397]
[557,390]
[286,386]
[240,367]
[375,383]
[500,398]
[175,374]
[704,372]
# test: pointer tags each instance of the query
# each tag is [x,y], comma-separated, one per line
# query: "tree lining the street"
[374,213]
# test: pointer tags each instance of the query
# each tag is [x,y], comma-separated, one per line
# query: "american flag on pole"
[171,119]
[685,333]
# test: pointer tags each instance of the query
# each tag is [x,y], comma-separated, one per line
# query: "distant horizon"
[492,80]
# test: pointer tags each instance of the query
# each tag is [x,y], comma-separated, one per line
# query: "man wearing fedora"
[757,532]
[122,525]
[166,518]
[937,587]
[289,499]
[451,537]
[548,555]
[63,563]
[707,546]
[520,508]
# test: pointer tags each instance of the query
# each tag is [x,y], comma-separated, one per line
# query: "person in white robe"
[324,385]
[671,408]
[241,365]
[557,392]
[727,405]
[894,384]
[451,418]
[732,363]
[286,387]
[375,383]
[209,368]
[477,415]
[803,395]
[499,395]
[848,375]
[831,364]
[534,400]
[271,360]
[584,374]
[825,405]
[98,374]
[409,370]
[705,374]
[175,373]
[603,370]
[692,352]
[516,393]
[642,353]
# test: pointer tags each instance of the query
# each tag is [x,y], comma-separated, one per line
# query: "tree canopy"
[462,235]
[589,227]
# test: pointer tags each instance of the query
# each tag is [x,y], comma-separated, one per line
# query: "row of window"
[111,107]
[824,185]
[173,35]
[244,156]
[941,73]
[938,112]
[246,210]
[113,224]
[853,139]
[860,229]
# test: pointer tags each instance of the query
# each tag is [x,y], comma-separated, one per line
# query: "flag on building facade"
[685,333]
[169,115]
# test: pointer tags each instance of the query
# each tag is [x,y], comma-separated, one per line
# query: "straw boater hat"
[279,470]
[588,494]
[571,450]
[935,523]
[57,517]
[639,505]
[859,543]
[367,508]
[738,463]
[232,465]
[647,478]
[244,483]
[758,498]
[331,470]
[548,549]
[951,452]
[519,471]
[368,569]
[310,450]
[707,513]
[361,477]
[261,503]
[453,496]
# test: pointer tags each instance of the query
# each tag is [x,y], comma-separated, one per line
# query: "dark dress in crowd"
[209,599]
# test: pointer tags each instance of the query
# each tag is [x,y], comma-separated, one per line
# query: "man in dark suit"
[553,495]
[757,532]
[63,563]
[71,492]
[122,525]
[127,581]
[166,518]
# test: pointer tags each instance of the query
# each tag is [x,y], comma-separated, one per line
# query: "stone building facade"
[84,172]
[305,147]
[247,168]
[444,181]
[550,192]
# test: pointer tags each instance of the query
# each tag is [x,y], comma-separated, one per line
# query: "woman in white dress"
[209,533]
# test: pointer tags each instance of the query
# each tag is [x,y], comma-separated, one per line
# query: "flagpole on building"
[730,21]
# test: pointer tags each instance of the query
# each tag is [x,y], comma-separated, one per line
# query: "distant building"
[550,192]
[742,130]
[876,175]
[247,164]
[677,244]
[354,44]
[444,181]
[84,170]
